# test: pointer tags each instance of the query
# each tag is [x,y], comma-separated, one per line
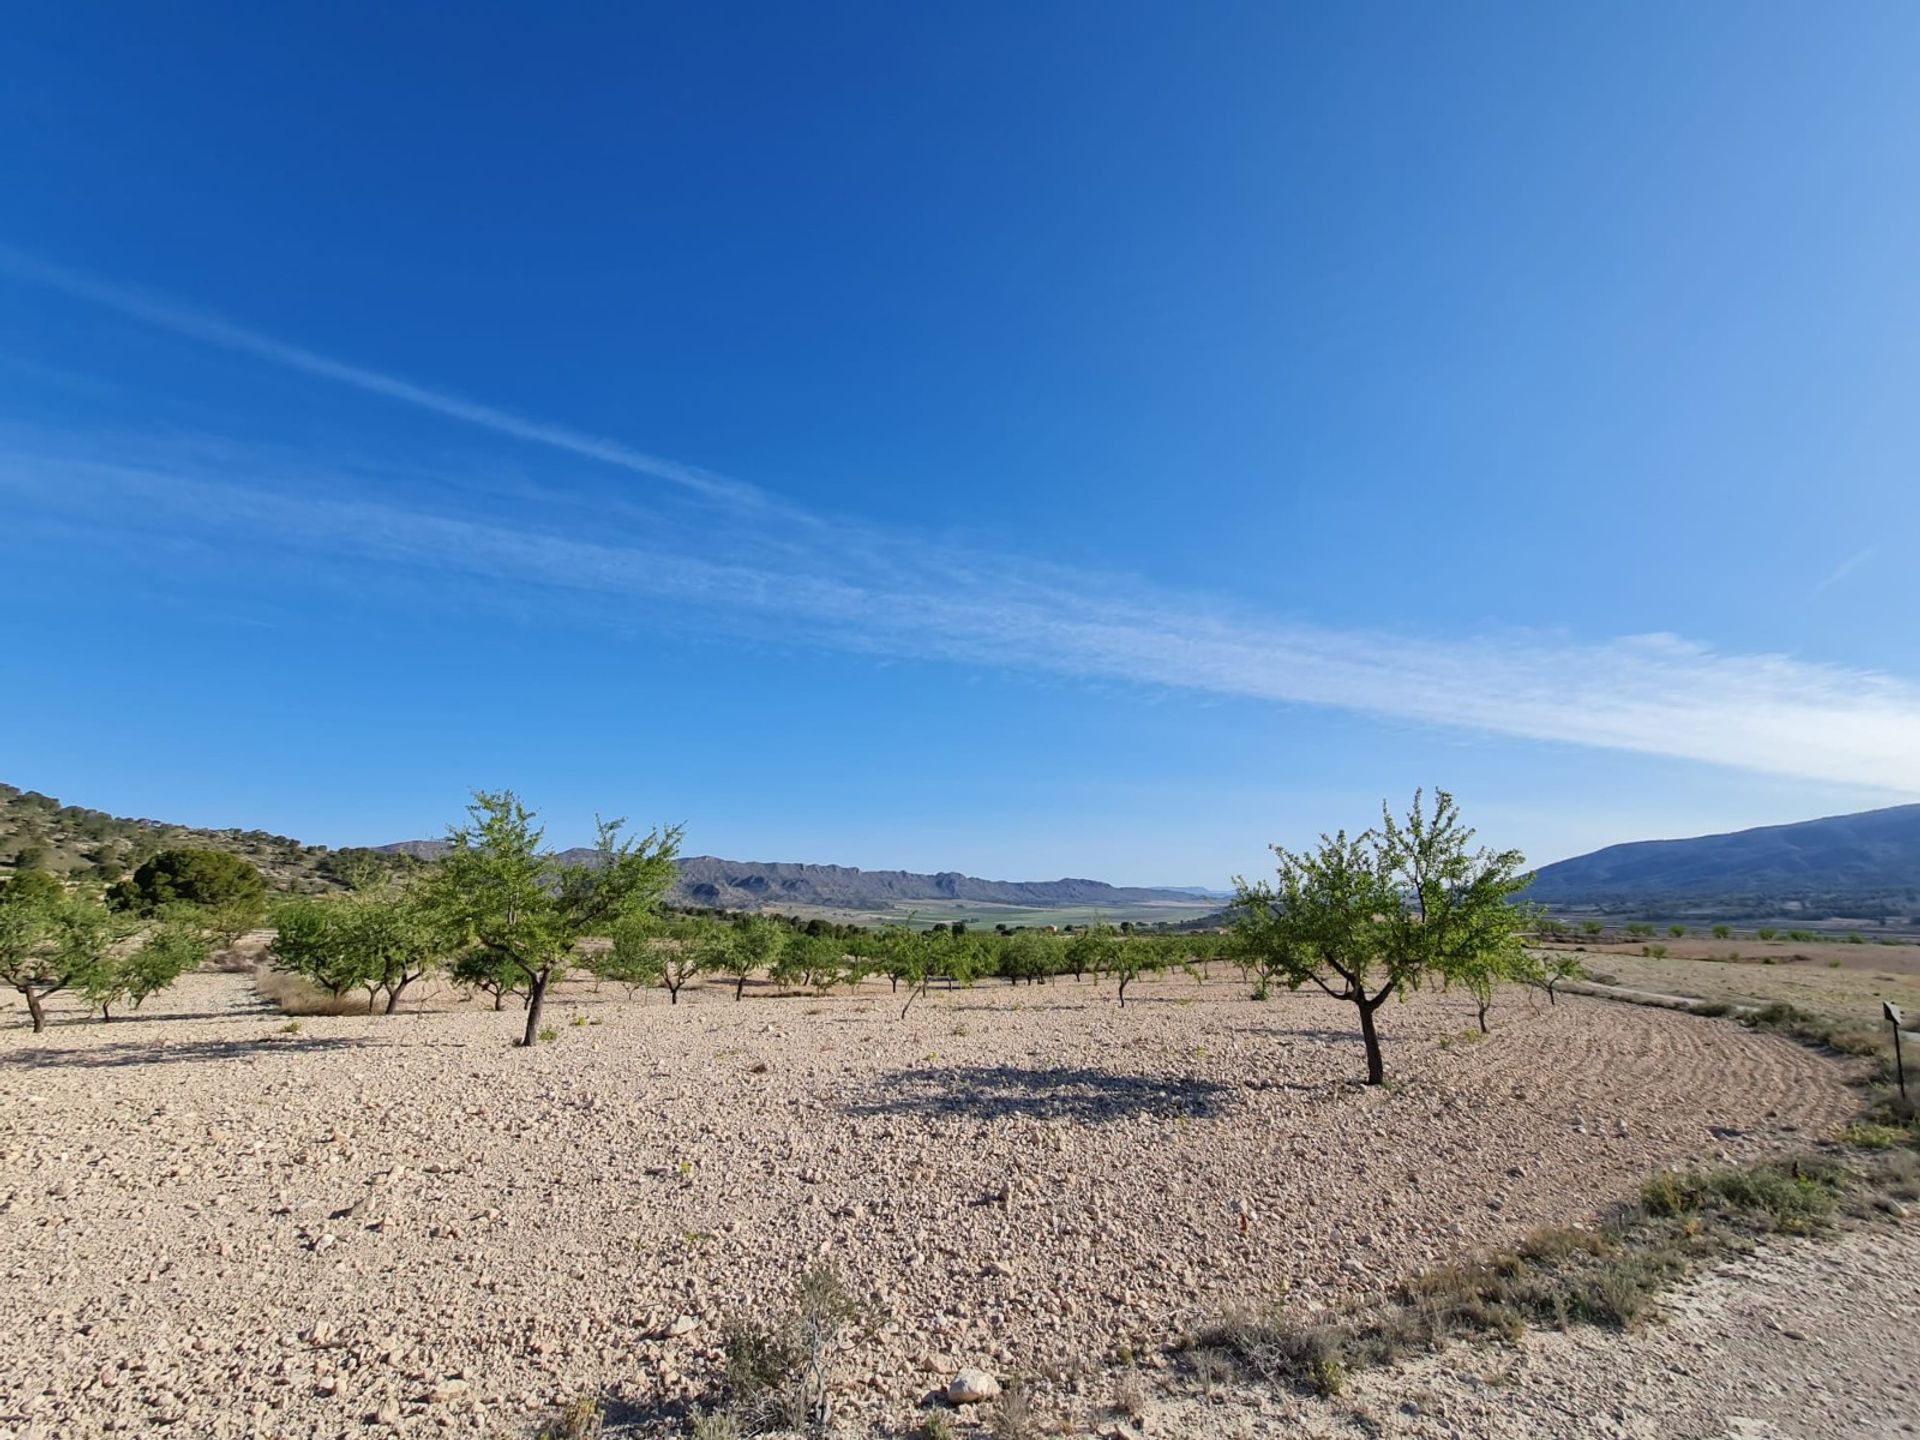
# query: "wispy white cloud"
[1845,568]
[788,572]
[215,330]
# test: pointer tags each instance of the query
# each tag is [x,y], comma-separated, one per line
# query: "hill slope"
[1873,853]
[38,832]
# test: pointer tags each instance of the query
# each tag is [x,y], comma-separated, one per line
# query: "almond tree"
[167,951]
[1383,913]
[751,944]
[522,907]
[50,941]
[643,950]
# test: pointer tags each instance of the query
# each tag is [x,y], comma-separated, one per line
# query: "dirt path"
[1807,1340]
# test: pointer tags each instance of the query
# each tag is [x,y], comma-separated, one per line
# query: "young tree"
[910,955]
[1029,955]
[1548,971]
[812,960]
[166,952]
[516,902]
[476,968]
[398,936]
[1092,950]
[753,943]
[1381,914]
[50,941]
[315,940]
[1136,955]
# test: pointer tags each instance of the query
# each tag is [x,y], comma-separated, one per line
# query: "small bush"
[548,1034]
[1871,1135]
[1013,1416]
[581,1418]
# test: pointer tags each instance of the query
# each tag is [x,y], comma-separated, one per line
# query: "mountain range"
[1872,853]
[751,884]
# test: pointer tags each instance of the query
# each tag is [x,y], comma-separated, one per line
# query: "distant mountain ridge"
[1873,852]
[752,884]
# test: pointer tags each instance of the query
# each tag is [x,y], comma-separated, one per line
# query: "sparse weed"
[581,1418]
[1130,1393]
[779,1375]
[1869,1135]
[548,1034]
[292,1027]
[1013,1416]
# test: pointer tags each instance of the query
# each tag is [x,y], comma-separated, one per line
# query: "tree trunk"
[536,998]
[499,1000]
[393,995]
[33,1009]
[1376,1067]
[1125,980]
[739,985]
[1552,999]
[1483,1019]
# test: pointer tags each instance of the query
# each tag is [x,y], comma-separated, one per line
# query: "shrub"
[581,1418]
[210,879]
[779,1375]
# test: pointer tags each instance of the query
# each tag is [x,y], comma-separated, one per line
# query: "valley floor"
[223,1226]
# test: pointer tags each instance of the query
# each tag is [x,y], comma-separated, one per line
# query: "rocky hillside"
[37,832]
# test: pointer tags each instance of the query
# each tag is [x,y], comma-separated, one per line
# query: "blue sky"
[1031,440]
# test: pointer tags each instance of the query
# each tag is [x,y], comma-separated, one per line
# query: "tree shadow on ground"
[995,1092]
[159,1052]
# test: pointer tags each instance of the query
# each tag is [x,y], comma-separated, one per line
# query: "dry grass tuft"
[294,995]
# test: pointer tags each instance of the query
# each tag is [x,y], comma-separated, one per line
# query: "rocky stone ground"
[221,1226]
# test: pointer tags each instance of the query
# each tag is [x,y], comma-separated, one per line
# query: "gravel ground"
[227,1229]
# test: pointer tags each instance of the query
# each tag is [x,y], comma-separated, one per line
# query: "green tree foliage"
[530,913]
[474,968]
[911,957]
[753,943]
[647,949]
[131,973]
[816,961]
[210,879]
[1135,955]
[1031,955]
[401,936]
[1723,932]
[1549,971]
[1092,950]
[50,941]
[313,938]
[1379,915]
